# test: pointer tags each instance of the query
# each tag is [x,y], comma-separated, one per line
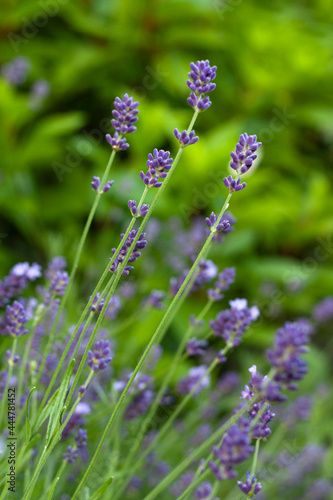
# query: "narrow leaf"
[53,486]
[45,412]
[102,489]
[27,420]
[59,403]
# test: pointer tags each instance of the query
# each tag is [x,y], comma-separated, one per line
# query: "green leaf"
[58,405]
[27,420]
[45,411]
[102,489]
[53,486]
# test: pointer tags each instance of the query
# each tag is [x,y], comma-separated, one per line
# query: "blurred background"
[63,63]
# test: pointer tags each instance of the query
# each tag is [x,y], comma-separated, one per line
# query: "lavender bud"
[184,138]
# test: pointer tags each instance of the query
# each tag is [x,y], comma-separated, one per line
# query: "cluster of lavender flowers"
[149,401]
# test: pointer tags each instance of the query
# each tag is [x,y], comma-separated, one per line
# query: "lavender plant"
[78,404]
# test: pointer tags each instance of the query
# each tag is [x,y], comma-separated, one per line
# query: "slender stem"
[255,458]
[10,371]
[195,454]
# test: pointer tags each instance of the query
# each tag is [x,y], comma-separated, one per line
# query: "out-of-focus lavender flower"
[15,320]
[142,394]
[158,469]
[228,383]
[309,459]
[201,76]
[18,279]
[143,209]
[184,138]
[11,360]
[81,438]
[244,156]
[225,279]
[95,305]
[38,93]
[56,264]
[320,489]
[140,244]
[260,429]
[125,114]
[234,449]
[285,357]
[117,142]
[300,409]
[188,383]
[59,283]
[196,347]
[232,323]
[16,70]
[113,307]
[96,183]
[159,164]
[233,184]
[182,484]
[215,226]
[207,271]
[101,357]
[250,486]
[71,455]
[323,311]
[77,420]
[155,299]
[204,491]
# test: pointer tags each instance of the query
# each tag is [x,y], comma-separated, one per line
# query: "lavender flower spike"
[184,138]
[101,357]
[244,157]
[201,74]
[215,227]
[125,115]
[15,320]
[250,486]
[159,164]
[117,142]
[233,184]
[95,184]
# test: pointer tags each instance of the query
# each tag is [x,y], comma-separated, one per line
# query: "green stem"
[255,458]
[195,454]
[10,371]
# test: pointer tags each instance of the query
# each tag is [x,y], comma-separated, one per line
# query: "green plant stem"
[165,318]
[255,458]
[75,266]
[195,454]
[10,371]
[144,426]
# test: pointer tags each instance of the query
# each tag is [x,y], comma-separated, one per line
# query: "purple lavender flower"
[234,449]
[18,279]
[196,347]
[81,438]
[15,319]
[285,357]
[215,225]
[244,157]
[38,93]
[71,455]
[233,184]
[113,307]
[225,279]
[232,323]
[300,409]
[125,115]
[199,103]
[59,283]
[184,138]
[323,311]
[182,484]
[159,164]
[204,491]
[188,383]
[251,486]
[228,382]
[143,209]
[142,394]
[140,244]
[155,299]
[319,489]
[96,183]
[95,305]
[15,359]
[56,264]
[201,74]
[16,70]
[101,357]
[117,142]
